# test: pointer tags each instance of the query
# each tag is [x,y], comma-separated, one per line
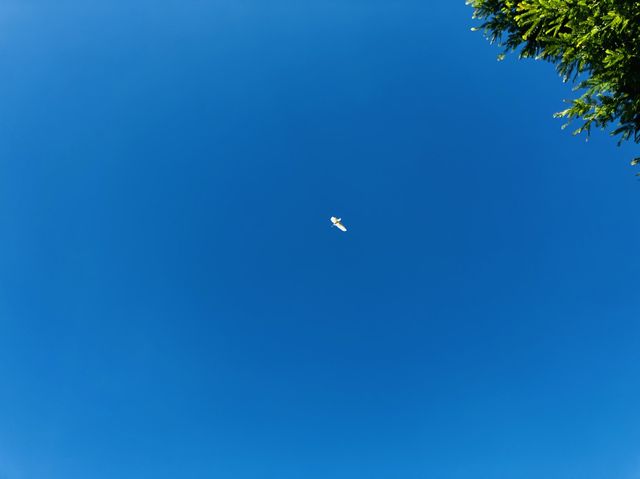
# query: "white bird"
[337,224]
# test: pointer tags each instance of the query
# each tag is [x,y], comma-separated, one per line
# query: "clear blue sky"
[175,304]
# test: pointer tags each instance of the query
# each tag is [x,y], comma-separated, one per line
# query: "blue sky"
[174,302]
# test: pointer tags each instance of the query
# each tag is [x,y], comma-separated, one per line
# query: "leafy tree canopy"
[593,43]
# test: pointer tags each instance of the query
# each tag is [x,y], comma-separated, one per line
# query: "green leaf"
[595,44]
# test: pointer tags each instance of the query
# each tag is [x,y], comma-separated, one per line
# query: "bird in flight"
[337,224]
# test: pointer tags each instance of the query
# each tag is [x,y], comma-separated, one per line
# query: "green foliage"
[594,43]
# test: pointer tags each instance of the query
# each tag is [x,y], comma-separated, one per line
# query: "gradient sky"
[175,304]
